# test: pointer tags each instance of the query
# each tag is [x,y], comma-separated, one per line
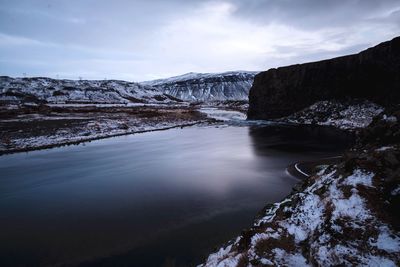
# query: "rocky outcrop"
[373,74]
[346,115]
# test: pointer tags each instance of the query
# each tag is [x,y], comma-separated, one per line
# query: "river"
[163,198]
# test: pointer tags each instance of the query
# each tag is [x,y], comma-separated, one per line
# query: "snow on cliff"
[344,115]
[207,86]
[83,91]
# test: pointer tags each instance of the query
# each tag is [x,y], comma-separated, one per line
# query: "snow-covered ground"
[343,115]
[343,215]
[228,116]
[33,129]
[94,130]
[237,105]
[327,224]
[224,115]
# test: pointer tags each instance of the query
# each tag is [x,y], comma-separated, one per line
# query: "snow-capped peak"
[232,85]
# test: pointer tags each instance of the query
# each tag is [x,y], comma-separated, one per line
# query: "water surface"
[152,199]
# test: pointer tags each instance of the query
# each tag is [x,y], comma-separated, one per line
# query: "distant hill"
[207,86]
[47,90]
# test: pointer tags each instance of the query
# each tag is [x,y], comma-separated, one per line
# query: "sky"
[140,40]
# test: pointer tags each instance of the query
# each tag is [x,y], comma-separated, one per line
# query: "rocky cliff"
[373,74]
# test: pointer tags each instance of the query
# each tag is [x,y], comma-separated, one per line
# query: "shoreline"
[297,173]
[304,169]
[90,139]
[348,200]
[46,127]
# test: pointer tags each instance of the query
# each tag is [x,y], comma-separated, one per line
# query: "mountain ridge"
[48,90]
[232,85]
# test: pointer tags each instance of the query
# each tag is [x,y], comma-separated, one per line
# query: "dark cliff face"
[373,74]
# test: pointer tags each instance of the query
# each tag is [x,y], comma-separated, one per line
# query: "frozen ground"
[37,127]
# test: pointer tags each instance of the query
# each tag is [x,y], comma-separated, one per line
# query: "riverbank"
[36,127]
[342,215]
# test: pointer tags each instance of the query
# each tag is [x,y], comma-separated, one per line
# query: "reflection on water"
[148,199]
[301,140]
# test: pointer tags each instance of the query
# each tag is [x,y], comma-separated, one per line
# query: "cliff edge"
[373,74]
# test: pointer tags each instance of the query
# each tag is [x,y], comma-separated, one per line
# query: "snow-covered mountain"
[207,86]
[16,90]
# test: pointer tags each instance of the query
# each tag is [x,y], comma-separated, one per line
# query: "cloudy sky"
[146,39]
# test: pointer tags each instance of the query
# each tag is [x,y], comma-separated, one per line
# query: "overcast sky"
[146,39]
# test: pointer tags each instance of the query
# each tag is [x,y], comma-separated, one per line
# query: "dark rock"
[373,74]
[381,131]
[391,159]
[245,241]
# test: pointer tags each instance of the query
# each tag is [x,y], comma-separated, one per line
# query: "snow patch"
[359,177]
[341,115]
[384,148]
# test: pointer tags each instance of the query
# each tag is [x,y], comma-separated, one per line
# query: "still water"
[153,199]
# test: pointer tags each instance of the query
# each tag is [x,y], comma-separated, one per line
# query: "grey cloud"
[313,14]
[122,36]
[90,22]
